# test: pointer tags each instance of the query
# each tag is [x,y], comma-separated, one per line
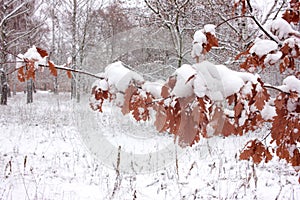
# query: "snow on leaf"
[139,106]
[183,87]
[210,28]
[280,28]
[98,97]
[120,77]
[243,4]
[154,88]
[263,47]
[33,55]
[291,83]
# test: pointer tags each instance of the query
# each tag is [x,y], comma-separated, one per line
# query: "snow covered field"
[43,156]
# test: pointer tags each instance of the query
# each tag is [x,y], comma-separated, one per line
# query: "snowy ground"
[42,156]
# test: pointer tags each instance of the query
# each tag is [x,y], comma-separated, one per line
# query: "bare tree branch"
[12,14]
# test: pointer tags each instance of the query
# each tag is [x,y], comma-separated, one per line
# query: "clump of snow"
[33,54]
[210,28]
[273,57]
[291,83]
[208,81]
[263,47]
[197,49]
[247,89]
[153,88]
[200,37]
[184,87]
[199,40]
[101,83]
[243,118]
[291,105]
[119,77]
[294,44]
[268,112]
[280,28]
[218,81]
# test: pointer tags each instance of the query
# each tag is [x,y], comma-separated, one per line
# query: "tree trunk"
[78,89]
[73,86]
[74,19]
[29,91]
[54,23]
[4,88]
[55,85]
[14,87]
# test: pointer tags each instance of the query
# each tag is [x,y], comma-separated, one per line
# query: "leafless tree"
[18,30]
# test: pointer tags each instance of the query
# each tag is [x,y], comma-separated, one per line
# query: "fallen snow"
[59,166]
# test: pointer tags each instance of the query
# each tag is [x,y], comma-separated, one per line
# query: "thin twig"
[279,10]
[254,19]
[76,71]
[250,7]
[275,88]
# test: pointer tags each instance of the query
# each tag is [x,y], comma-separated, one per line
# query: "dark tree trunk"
[78,89]
[73,87]
[29,91]
[74,49]
[4,88]
[55,85]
